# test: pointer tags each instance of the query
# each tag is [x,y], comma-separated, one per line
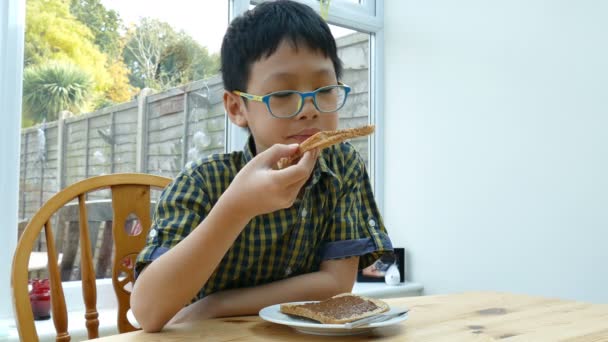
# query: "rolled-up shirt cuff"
[349,248]
[156,253]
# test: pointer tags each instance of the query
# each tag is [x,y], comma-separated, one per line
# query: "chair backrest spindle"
[130,195]
[87,271]
[60,315]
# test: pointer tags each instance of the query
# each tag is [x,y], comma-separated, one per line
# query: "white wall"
[497,144]
[12,18]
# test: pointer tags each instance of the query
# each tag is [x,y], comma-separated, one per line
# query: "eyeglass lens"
[287,103]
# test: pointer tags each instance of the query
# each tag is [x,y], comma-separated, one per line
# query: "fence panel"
[180,125]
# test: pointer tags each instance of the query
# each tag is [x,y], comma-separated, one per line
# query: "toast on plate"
[343,308]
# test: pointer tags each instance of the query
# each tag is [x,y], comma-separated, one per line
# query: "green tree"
[104,24]
[52,33]
[185,60]
[53,87]
[159,57]
[145,44]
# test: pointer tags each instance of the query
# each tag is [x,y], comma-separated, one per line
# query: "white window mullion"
[12,26]
[371,7]
[362,18]
[236,136]
[376,101]
[376,117]
[355,22]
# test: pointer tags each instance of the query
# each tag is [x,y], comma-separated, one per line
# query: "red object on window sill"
[40,298]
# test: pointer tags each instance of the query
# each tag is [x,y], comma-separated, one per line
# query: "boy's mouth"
[303,134]
[299,138]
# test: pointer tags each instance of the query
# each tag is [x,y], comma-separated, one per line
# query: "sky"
[204,20]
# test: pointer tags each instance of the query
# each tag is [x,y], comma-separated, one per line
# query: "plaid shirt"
[335,216]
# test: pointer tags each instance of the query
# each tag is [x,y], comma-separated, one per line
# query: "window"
[11,47]
[353,50]
[159,108]
[158,131]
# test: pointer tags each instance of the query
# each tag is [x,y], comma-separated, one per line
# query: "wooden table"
[477,316]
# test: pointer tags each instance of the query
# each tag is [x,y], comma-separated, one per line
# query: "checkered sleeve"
[356,227]
[181,207]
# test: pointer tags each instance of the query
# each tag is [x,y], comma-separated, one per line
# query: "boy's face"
[303,70]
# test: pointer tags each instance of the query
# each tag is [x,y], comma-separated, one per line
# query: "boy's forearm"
[312,286]
[171,281]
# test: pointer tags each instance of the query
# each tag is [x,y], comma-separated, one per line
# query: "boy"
[235,233]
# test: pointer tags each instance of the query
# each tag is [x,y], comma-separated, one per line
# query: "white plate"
[273,314]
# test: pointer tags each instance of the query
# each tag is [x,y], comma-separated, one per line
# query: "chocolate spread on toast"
[341,307]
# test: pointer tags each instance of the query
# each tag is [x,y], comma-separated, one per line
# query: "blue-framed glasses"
[288,103]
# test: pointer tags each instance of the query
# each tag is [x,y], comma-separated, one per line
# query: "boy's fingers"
[298,172]
[296,187]
[309,159]
[310,164]
[278,151]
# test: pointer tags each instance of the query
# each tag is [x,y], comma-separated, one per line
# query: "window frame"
[12,32]
[366,17]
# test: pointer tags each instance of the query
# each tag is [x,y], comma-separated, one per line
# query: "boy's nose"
[309,111]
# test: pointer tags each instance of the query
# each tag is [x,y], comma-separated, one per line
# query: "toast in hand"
[325,139]
[343,308]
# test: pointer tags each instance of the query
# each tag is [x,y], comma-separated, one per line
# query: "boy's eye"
[284,94]
[326,90]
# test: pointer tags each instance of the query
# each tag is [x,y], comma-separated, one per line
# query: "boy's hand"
[259,188]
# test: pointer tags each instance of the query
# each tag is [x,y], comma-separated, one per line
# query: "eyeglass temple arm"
[249,96]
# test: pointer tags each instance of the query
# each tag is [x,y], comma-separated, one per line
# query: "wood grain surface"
[475,316]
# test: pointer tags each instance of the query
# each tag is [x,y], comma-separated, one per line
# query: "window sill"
[107,309]
[382,290]
[76,326]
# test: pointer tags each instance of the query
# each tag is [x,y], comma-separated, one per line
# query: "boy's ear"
[233,104]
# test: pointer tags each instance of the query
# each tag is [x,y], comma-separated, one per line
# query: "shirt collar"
[322,167]
[249,150]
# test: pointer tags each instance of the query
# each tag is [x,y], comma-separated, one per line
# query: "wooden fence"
[157,133]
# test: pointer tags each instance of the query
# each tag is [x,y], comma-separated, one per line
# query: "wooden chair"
[130,195]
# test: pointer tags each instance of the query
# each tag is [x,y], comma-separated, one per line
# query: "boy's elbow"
[152,328]
[343,287]
[333,290]
[150,324]
[146,316]
[338,286]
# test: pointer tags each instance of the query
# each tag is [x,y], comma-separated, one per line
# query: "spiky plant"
[53,87]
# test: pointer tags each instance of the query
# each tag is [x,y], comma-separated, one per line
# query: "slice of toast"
[325,139]
[343,308]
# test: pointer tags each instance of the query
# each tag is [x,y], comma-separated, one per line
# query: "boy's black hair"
[259,31]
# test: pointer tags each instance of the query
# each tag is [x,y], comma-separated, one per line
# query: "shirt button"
[304,212]
[152,233]
[371,223]
[288,271]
